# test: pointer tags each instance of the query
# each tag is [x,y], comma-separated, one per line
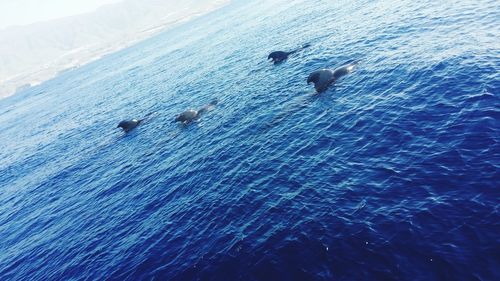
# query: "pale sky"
[22,12]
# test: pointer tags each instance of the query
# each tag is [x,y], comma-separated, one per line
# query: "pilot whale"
[323,78]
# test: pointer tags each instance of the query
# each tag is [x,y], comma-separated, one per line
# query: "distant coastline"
[43,68]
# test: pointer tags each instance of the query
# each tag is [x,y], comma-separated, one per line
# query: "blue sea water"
[392,174]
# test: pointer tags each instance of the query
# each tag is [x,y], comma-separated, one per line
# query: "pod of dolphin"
[322,79]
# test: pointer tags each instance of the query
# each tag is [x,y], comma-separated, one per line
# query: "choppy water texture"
[393,174]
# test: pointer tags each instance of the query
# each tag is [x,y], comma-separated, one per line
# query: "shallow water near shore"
[391,174]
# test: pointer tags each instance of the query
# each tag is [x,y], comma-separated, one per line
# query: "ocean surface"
[391,174]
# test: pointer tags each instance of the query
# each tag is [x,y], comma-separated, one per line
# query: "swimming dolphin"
[325,77]
[191,115]
[128,125]
[280,56]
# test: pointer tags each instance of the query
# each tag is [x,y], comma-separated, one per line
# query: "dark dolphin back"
[344,70]
[300,48]
[202,110]
[208,107]
[128,125]
[339,72]
[278,55]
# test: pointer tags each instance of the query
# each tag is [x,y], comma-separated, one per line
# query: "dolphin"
[280,56]
[323,78]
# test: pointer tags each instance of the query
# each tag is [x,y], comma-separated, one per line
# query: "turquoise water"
[391,174]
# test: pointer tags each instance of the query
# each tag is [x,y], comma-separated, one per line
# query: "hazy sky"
[22,12]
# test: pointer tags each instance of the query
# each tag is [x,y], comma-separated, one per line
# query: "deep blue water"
[392,174]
